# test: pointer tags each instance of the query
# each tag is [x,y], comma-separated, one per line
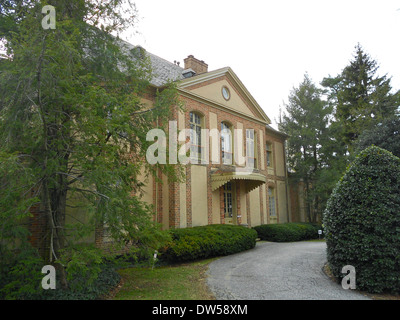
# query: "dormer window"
[188,73]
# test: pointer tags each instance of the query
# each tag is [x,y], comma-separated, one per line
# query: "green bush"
[287,232]
[20,274]
[21,280]
[107,279]
[208,241]
[362,222]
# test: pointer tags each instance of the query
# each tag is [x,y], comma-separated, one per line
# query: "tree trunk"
[54,234]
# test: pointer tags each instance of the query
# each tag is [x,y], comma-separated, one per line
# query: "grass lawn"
[178,282]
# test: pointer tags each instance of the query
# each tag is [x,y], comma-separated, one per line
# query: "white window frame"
[196,125]
[226,144]
[251,151]
[272,202]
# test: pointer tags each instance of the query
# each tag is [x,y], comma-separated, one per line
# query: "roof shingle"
[163,71]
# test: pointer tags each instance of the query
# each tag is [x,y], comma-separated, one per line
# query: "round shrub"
[287,232]
[362,222]
[208,241]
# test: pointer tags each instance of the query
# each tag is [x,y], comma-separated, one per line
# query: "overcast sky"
[270,45]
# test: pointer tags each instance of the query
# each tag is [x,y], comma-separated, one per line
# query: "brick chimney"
[198,66]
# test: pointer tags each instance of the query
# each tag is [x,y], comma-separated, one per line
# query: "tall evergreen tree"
[72,125]
[309,146]
[385,135]
[360,97]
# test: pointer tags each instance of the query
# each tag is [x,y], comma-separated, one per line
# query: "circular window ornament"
[225,93]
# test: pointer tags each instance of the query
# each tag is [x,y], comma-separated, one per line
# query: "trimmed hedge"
[362,222]
[288,232]
[208,241]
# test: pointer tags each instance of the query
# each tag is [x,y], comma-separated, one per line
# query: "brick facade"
[241,209]
[167,197]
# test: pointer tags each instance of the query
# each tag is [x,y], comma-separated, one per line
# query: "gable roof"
[234,79]
[164,71]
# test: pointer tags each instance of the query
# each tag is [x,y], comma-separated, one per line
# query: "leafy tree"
[72,126]
[310,144]
[360,97]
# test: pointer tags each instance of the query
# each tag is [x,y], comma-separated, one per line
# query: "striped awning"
[252,179]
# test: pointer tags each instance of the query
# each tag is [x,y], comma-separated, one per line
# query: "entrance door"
[229,203]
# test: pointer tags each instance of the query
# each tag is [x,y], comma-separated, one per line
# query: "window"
[195,136]
[269,155]
[225,93]
[271,200]
[250,148]
[226,143]
[228,202]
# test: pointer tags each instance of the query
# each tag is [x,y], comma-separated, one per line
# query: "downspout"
[286,182]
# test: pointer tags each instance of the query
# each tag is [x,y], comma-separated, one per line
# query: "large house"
[220,189]
[237,170]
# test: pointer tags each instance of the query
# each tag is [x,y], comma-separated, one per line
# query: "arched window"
[195,136]
[226,144]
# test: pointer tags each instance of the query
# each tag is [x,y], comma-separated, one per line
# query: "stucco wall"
[199,195]
[255,207]
[147,189]
[282,203]
[243,204]
[214,90]
[279,156]
[264,202]
[216,210]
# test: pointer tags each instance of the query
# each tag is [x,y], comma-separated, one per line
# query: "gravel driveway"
[276,271]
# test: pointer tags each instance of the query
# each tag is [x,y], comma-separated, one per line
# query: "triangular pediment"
[213,85]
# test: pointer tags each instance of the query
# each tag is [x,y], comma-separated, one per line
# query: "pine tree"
[360,97]
[385,135]
[306,121]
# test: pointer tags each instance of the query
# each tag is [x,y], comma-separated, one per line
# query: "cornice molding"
[227,71]
[214,104]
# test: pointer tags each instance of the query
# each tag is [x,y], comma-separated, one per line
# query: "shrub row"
[287,232]
[208,241]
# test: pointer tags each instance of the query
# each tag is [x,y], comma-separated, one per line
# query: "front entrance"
[229,203]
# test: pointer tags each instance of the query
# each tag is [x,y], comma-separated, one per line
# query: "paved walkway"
[276,271]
